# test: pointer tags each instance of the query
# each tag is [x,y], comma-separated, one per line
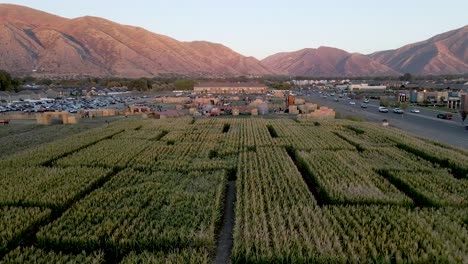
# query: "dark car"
[444,116]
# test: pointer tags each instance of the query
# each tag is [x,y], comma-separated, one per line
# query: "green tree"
[113,84]
[281,85]
[406,77]
[142,84]
[29,80]
[5,81]
[384,103]
[464,114]
[45,82]
[184,84]
[442,99]
[404,106]
[16,83]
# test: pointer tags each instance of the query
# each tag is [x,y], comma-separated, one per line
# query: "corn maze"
[154,191]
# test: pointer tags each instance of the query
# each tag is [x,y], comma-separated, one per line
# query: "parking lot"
[71,105]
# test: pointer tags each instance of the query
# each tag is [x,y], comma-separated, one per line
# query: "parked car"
[445,116]
[398,111]
[363,105]
[383,109]
[415,110]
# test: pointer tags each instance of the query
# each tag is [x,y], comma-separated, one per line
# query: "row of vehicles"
[382,109]
[445,116]
[397,110]
[71,105]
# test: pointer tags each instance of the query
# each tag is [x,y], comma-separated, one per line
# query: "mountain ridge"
[326,61]
[445,53]
[33,42]
[45,44]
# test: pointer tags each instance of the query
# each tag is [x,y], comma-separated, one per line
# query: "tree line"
[7,83]
[140,84]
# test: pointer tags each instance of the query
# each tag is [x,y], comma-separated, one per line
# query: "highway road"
[424,124]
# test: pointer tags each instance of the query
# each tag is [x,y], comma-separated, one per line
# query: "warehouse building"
[230,88]
[365,86]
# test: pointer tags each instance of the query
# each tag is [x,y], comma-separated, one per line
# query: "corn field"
[345,178]
[16,221]
[195,256]
[155,191]
[38,256]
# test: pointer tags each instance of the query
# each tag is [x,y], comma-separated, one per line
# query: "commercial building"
[454,100]
[416,97]
[435,86]
[365,86]
[230,88]
[464,102]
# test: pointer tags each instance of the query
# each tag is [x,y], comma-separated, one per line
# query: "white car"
[366,101]
[415,110]
[398,111]
[352,103]
[383,109]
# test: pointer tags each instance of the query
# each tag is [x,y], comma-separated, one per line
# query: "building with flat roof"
[230,88]
[464,102]
[365,86]
[435,86]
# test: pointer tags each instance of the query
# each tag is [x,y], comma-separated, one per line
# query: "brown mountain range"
[38,43]
[326,61]
[446,53]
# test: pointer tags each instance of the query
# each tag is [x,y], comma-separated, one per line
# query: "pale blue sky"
[261,28]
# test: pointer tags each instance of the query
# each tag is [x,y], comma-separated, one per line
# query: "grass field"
[154,191]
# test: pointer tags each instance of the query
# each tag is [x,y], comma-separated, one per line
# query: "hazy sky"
[261,28]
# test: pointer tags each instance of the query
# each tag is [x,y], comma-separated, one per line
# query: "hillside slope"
[326,61]
[446,53]
[32,41]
